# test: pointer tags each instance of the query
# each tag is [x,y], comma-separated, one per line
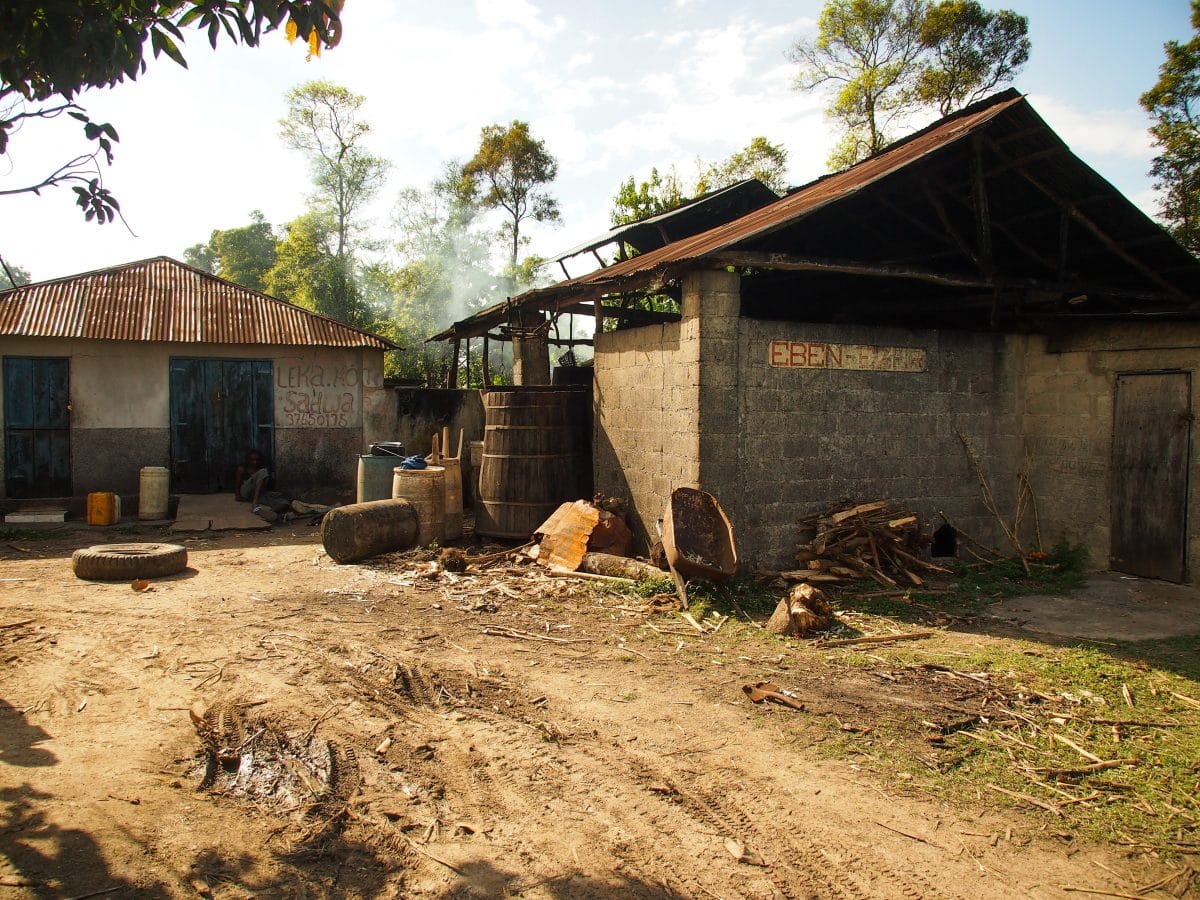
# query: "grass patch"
[1106,744]
[725,597]
[973,586]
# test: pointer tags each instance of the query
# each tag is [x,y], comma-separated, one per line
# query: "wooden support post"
[487,369]
[452,375]
[467,380]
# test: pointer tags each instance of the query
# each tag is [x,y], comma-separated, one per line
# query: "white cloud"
[579,60]
[1098,132]
[520,13]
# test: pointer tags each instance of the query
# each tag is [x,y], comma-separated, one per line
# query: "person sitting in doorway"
[255,484]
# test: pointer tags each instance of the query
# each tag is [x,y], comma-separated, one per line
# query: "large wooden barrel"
[536,455]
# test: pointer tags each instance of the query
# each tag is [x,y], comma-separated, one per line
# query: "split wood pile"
[869,540]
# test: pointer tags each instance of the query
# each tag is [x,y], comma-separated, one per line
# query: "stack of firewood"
[869,540]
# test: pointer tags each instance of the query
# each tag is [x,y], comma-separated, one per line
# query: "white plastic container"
[153,493]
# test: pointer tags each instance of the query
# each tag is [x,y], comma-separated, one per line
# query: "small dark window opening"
[945,542]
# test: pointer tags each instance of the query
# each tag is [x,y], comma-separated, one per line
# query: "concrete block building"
[974,287]
[155,363]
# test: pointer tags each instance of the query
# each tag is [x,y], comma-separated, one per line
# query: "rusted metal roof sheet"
[164,300]
[802,202]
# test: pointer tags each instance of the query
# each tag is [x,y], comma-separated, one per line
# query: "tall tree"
[308,273]
[323,123]
[510,171]
[316,263]
[636,200]
[51,51]
[202,257]
[868,50]
[1174,105]
[887,59]
[661,193]
[969,52]
[759,159]
[241,255]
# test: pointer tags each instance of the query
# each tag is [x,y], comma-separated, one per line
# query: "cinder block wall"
[646,415]
[1069,386]
[698,403]
[811,437]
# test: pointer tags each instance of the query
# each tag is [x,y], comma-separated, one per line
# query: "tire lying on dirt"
[123,562]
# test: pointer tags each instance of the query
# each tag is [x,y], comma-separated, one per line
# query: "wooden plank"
[860,510]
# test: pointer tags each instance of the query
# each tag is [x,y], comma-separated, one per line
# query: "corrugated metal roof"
[162,299]
[765,220]
[801,202]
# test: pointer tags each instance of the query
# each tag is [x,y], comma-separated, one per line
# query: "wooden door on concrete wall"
[220,409]
[1152,419]
[37,427]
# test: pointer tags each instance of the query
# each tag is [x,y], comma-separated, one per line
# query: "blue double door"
[220,409]
[37,427]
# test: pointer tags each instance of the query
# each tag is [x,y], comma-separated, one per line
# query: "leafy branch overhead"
[52,51]
[885,60]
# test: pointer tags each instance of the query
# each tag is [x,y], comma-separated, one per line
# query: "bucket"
[454,498]
[153,493]
[103,508]
[425,489]
[375,478]
[536,456]
[387,448]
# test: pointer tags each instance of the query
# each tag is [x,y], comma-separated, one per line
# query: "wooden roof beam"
[1097,232]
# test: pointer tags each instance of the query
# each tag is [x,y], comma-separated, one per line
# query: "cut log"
[618,566]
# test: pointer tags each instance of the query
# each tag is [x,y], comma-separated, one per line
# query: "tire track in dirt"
[501,764]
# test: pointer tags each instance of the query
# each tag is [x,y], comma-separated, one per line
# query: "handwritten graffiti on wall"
[310,395]
[314,375]
[319,409]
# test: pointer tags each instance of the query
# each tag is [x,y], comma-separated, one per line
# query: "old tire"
[123,562]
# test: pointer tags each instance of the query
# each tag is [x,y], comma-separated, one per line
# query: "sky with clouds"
[611,88]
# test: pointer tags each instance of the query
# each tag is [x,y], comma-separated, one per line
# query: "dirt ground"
[368,731]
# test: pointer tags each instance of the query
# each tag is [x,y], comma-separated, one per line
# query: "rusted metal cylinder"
[363,530]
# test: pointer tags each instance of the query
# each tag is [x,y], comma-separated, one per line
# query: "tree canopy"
[52,50]
[12,276]
[886,59]
[244,255]
[510,171]
[317,263]
[1172,104]
[759,159]
[663,192]
[323,123]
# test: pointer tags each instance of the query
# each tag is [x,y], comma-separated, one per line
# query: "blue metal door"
[220,409]
[37,427]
